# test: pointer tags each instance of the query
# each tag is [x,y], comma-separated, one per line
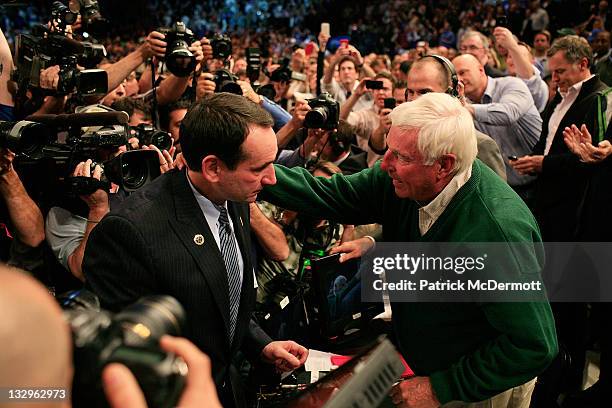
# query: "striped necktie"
[230,256]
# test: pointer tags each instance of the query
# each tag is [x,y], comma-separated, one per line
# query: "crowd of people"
[288,139]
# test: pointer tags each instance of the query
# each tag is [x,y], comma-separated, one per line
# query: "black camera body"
[222,46]
[253,59]
[179,60]
[324,113]
[225,81]
[149,135]
[131,338]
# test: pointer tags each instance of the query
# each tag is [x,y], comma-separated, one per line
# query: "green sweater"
[470,351]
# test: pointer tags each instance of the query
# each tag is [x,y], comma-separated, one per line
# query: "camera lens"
[134,174]
[316,118]
[24,137]
[180,61]
[152,317]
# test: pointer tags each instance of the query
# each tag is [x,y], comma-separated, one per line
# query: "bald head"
[471,74]
[426,75]
[34,338]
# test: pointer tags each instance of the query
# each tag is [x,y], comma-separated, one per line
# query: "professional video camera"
[225,81]
[129,170]
[149,135]
[179,60]
[324,113]
[222,46]
[24,137]
[44,48]
[131,338]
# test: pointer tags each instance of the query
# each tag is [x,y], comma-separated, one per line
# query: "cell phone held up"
[373,84]
[390,103]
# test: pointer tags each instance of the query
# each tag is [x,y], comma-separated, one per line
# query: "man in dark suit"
[187,235]
[561,193]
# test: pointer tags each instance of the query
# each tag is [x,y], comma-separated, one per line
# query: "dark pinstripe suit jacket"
[147,246]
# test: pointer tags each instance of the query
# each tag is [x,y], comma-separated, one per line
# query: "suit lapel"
[190,224]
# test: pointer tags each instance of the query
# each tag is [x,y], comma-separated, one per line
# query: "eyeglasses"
[470,48]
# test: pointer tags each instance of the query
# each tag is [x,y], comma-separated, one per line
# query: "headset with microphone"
[450,69]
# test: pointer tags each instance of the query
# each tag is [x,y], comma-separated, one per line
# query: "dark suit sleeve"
[254,341]
[118,266]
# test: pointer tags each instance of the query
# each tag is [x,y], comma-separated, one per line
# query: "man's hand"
[579,141]
[504,37]
[205,85]
[122,390]
[385,120]
[300,109]
[6,161]
[361,88]
[196,50]
[285,355]
[249,92]
[323,39]
[166,160]
[206,48]
[49,77]
[98,200]
[414,393]
[528,165]
[353,249]
[155,45]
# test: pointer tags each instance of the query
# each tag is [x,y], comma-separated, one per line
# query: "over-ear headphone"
[448,66]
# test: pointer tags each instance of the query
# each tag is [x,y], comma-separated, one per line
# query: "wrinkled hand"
[98,200]
[155,45]
[504,37]
[414,393]
[249,92]
[122,390]
[285,355]
[205,85]
[579,141]
[49,77]
[353,249]
[528,165]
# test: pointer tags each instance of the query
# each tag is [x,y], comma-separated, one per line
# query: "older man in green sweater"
[429,187]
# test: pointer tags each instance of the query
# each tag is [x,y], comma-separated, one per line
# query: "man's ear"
[447,165]
[584,64]
[211,167]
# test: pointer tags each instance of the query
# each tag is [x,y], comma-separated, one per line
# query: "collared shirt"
[365,122]
[508,114]
[429,214]
[212,218]
[561,109]
[340,94]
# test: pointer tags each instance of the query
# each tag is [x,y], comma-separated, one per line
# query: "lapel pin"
[198,239]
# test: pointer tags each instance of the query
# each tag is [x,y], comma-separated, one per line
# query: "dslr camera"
[149,135]
[179,60]
[222,46]
[225,81]
[131,338]
[324,113]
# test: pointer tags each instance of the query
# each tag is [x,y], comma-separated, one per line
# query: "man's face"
[404,164]
[281,88]
[255,171]
[541,43]
[138,117]
[473,45]
[385,92]
[469,72]
[131,85]
[174,124]
[240,65]
[564,73]
[423,79]
[112,96]
[347,73]
[601,44]
[400,95]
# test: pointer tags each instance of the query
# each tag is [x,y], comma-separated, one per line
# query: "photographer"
[372,124]
[37,351]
